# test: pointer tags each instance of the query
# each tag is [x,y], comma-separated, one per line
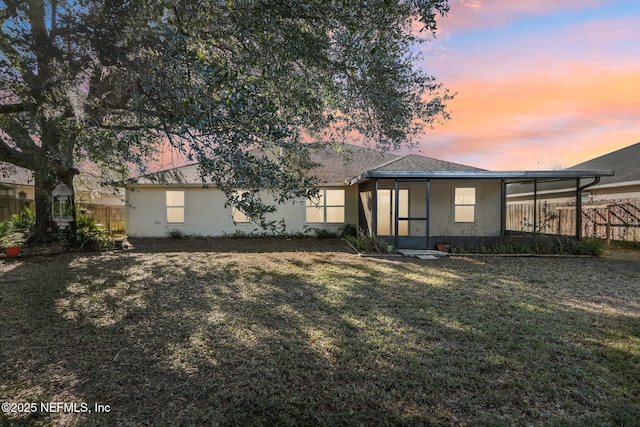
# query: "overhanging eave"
[508,176]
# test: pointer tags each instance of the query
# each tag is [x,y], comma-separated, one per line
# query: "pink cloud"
[535,120]
[476,14]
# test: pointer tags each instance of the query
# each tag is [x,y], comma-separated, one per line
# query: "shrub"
[90,236]
[176,234]
[587,247]
[325,234]
[541,245]
[349,230]
[24,221]
[369,244]
[16,230]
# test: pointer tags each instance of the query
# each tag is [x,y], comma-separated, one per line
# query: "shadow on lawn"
[262,339]
[240,245]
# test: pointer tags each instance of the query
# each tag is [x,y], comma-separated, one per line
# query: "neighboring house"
[609,205]
[410,201]
[93,199]
[625,184]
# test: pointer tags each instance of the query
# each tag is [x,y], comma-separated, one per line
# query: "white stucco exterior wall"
[205,213]
[487,210]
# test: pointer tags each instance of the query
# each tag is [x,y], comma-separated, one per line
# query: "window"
[464,209]
[327,208]
[387,211]
[175,207]
[239,217]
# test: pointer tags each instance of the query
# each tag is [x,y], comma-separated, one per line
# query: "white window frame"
[464,206]
[321,203]
[171,206]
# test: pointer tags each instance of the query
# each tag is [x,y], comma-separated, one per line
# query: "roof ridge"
[165,170]
[420,156]
[445,161]
[389,162]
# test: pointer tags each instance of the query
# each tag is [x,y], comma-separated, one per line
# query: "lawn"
[259,332]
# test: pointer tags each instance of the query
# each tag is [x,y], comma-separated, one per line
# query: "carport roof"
[479,174]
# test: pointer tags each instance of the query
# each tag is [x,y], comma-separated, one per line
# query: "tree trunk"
[67,179]
[44,185]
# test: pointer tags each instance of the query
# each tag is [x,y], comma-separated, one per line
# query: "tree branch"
[54,9]
[127,127]
[13,156]
[17,108]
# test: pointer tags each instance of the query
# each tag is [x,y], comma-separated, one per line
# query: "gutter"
[596,181]
[507,175]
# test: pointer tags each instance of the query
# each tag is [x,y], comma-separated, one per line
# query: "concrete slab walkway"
[422,254]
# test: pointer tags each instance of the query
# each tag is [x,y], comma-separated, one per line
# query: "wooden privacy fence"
[604,219]
[111,217]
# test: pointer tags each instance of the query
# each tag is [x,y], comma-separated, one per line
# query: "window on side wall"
[238,216]
[175,207]
[464,209]
[327,208]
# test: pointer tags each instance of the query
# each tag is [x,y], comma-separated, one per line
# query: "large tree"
[103,81]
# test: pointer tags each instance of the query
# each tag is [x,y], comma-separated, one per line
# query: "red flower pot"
[13,251]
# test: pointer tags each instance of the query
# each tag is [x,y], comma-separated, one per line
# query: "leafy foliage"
[176,234]
[365,243]
[24,221]
[321,233]
[106,81]
[349,230]
[90,236]
[539,245]
[16,230]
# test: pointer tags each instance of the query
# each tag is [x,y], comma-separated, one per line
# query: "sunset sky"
[541,84]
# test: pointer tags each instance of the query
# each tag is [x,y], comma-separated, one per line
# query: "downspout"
[579,190]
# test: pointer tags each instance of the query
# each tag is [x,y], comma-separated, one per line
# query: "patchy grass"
[206,332]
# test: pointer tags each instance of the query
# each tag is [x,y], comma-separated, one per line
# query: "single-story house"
[411,201]
[625,184]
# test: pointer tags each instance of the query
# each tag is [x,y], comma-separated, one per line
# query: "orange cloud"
[539,120]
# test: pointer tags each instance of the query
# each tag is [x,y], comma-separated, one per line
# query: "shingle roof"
[337,166]
[413,162]
[182,175]
[334,166]
[85,181]
[624,162]
[16,175]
